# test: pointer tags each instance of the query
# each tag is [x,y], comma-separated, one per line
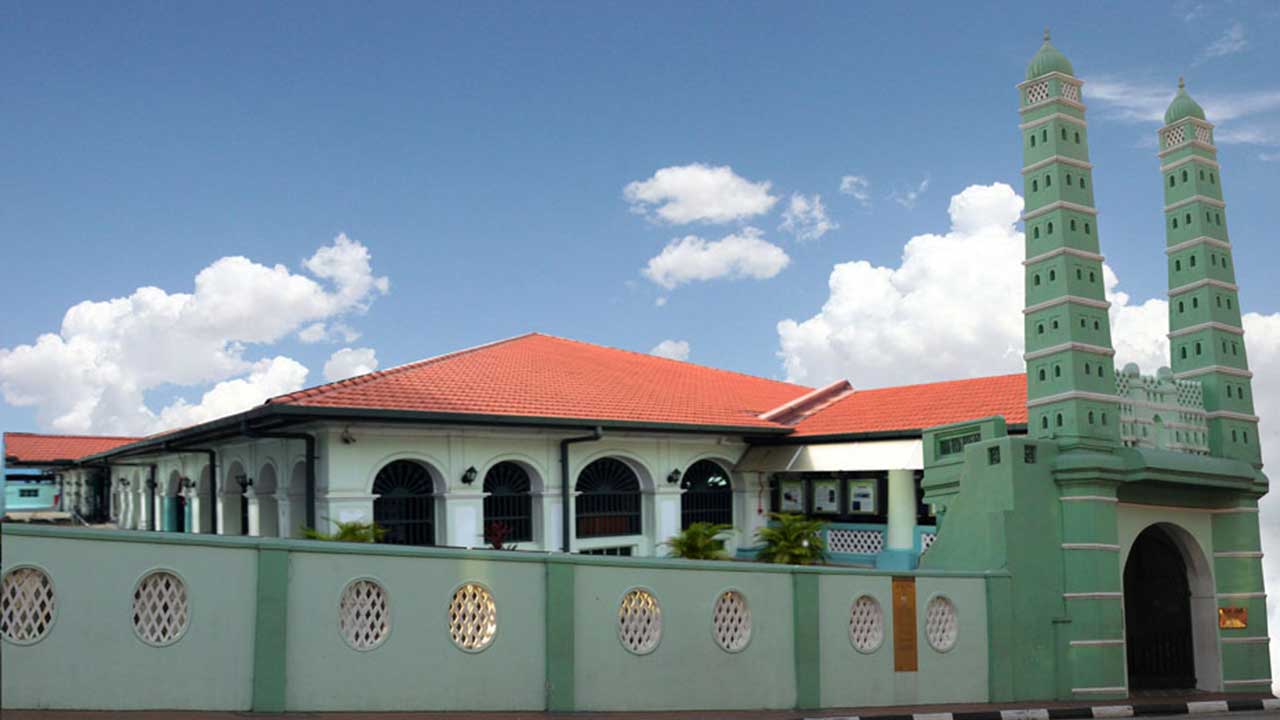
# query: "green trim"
[559,644]
[321,547]
[808,647]
[271,631]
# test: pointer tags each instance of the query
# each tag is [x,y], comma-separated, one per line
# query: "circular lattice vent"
[160,612]
[731,621]
[27,605]
[473,617]
[941,624]
[639,622]
[866,624]
[364,619]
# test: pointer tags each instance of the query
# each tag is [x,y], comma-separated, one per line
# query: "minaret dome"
[1182,106]
[1048,59]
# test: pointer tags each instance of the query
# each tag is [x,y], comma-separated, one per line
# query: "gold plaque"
[1233,618]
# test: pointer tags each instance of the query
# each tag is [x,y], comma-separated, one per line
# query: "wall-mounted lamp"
[151,484]
[469,475]
[346,437]
[123,482]
[245,482]
[673,477]
[186,483]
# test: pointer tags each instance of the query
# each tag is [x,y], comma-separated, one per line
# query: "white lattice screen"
[855,542]
[731,621]
[639,622]
[1071,92]
[27,605]
[926,539]
[866,624]
[160,612]
[1038,92]
[364,619]
[473,617]
[1174,136]
[941,624]
[1203,135]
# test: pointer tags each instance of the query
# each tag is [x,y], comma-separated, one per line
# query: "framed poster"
[826,497]
[791,496]
[864,496]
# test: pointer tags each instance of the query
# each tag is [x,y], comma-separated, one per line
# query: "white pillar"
[549,504]
[900,540]
[335,508]
[666,518]
[463,520]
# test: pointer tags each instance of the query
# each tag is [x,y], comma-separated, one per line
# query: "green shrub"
[792,540]
[699,541]
[354,531]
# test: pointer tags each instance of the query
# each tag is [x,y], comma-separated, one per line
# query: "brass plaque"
[1233,618]
[904,625]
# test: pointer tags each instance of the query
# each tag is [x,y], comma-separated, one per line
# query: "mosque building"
[1114,514]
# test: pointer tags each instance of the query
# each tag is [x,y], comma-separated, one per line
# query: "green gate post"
[808,651]
[270,631]
[560,667]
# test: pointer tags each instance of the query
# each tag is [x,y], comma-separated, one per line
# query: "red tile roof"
[34,449]
[916,407]
[542,376]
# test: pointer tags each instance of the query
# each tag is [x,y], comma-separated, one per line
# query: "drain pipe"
[566,516]
[309,463]
[151,498]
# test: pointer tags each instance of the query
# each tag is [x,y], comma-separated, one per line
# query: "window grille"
[1038,92]
[951,446]
[27,605]
[608,503]
[926,541]
[708,495]
[855,542]
[639,622]
[473,617]
[507,501]
[160,610]
[941,625]
[1203,135]
[866,624]
[405,507]
[731,621]
[364,615]
[1174,136]
[1071,92]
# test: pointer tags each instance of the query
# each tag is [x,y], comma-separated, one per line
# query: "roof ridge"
[942,382]
[671,360]
[76,436]
[379,374]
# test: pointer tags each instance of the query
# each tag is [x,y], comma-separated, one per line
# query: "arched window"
[1177,266]
[1068,175]
[1058,420]
[1212,179]
[1044,136]
[1170,181]
[405,507]
[508,507]
[1035,185]
[1181,307]
[1081,183]
[1073,224]
[1175,223]
[1048,180]
[1035,280]
[1035,232]
[1188,218]
[1042,375]
[1064,133]
[1184,176]
[608,502]
[1033,139]
[1049,227]
[1086,228]
[1193,260]
[1077,138]
[1053,275]
[1044,422]
[708,495]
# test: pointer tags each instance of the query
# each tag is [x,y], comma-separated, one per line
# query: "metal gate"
[1157,611]
[708,495]
[405,507]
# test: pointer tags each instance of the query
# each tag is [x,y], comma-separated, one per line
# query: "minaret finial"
[1046,34]
[1182,84]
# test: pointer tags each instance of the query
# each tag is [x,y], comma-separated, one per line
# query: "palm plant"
[699,541]
[353,531]
[792,540]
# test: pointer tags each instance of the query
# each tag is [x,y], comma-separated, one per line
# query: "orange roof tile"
[543,376]
[30,448]
[916,407]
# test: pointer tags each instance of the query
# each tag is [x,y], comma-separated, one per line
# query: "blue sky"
[480,152]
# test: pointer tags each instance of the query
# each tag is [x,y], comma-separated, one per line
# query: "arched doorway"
[1157,611]
[508,506]
[707,496]
[405,506]
[608,501]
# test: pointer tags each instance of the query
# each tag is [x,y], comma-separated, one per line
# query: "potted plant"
[792,540]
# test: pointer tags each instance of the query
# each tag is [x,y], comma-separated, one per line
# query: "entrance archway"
[1169,609]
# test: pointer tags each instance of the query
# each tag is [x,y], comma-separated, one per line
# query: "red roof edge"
[795,410]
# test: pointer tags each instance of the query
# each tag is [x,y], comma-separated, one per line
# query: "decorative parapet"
[1161,411]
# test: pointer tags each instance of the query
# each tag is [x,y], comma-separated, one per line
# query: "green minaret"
[1205,333]
[1070,373]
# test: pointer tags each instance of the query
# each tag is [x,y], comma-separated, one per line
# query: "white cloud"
[92,375]
[1269,157]
[332,332]
[744,254]
[661,301]
[268,378]
[350,362]
[909,198]
[1231,41]
[672,349]
[1257,111]
[857,187]
[952,309]
[699,193]
[806,218]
